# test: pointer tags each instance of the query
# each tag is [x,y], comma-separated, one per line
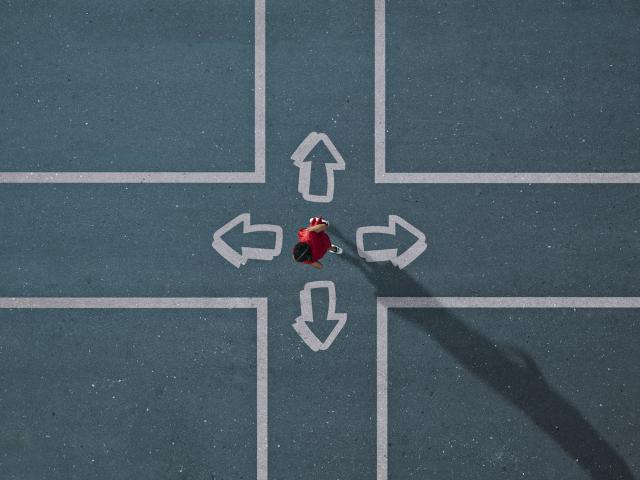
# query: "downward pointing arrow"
[304,177]
[391,254]
[247,253]
[303,322]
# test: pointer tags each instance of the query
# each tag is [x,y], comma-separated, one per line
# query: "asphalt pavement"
[170,392]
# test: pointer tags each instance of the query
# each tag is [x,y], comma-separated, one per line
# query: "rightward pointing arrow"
[391,254]
[304,178]
[303,322]
[246,253]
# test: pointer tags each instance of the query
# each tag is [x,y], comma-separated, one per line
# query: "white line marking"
[260,108]
[510,302]
[130,177]
[262,395]
[304,176]
[248,253]
[382,176]
[262,350]
[257,176]
[382,394]
[131,302]
[512,177]
[385,303]
[391,254]
[301,325]
[380,79]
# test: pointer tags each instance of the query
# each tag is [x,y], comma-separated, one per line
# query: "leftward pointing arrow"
[391,254]
[304,177]
[247,253]
[302,323]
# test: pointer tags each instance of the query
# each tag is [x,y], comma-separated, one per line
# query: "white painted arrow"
[301,324]
[247,253]
[304,178]
[391,254]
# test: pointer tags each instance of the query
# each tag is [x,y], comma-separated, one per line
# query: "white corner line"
[383,304]
[262,345]
[382,176]
[257,176]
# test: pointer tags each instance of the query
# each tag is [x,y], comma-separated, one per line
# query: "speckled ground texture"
[545,86]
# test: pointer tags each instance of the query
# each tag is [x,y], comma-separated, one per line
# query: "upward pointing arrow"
[391,254]
[302,323]
[304,177]
[246,253]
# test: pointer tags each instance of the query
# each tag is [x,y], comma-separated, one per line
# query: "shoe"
[338,250]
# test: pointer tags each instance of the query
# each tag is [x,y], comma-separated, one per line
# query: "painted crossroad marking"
[259,303]
[380,167]
[257,176]
[382,348]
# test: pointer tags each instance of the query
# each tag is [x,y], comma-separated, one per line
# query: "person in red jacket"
[314,243]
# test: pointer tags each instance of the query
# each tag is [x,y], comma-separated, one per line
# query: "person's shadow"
[508,370]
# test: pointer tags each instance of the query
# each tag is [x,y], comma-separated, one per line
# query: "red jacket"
[318,241]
